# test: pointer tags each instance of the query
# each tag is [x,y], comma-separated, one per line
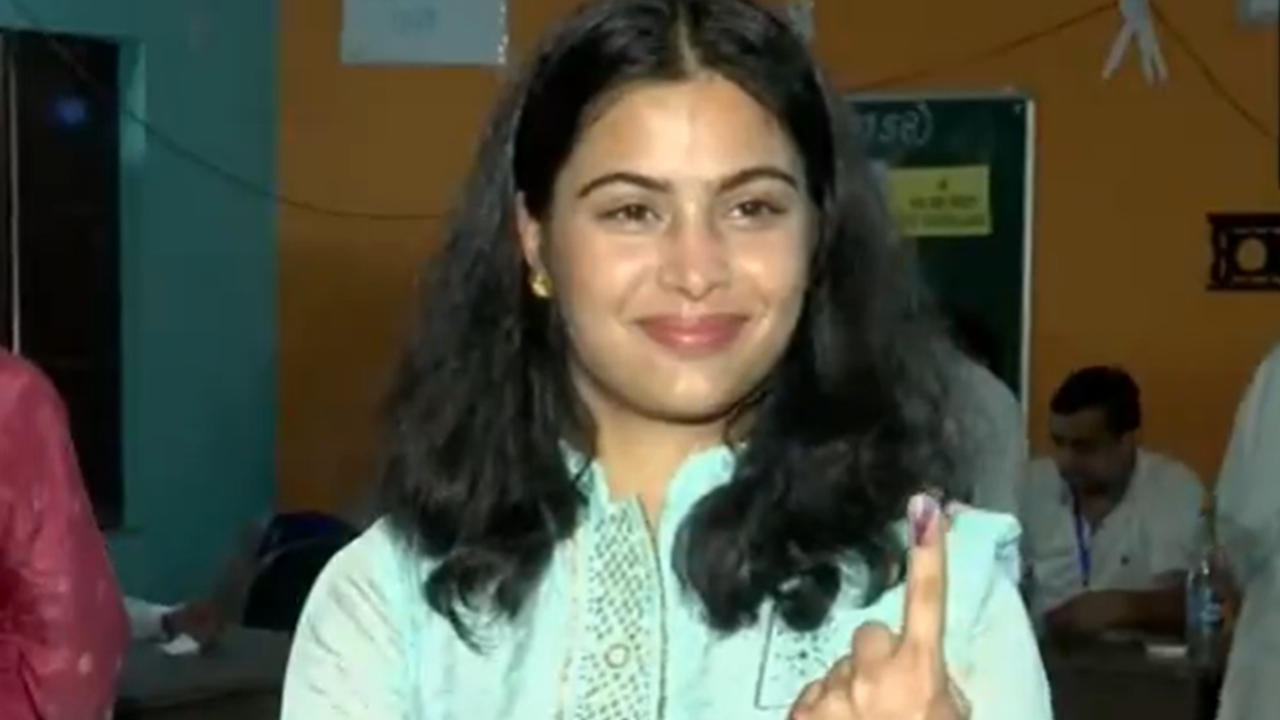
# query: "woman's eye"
[631,214]
[755,209]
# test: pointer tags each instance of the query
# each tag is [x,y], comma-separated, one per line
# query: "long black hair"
[847,426]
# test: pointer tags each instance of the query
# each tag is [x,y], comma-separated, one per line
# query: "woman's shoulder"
[380,565]
[381,543]
[353,648]
[982,540]
[982,561]
[983,568]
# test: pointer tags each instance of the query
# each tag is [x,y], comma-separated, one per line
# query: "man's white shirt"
[1150,533]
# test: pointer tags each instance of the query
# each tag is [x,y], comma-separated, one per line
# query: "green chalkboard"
[974,251]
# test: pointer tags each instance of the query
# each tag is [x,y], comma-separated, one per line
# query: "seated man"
[1109,528]
[62,628]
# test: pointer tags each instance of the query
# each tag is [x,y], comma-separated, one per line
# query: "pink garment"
[63,631]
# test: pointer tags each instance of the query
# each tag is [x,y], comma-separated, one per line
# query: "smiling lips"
[694,336]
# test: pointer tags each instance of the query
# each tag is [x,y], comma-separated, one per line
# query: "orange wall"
[1125,175]
[380,140]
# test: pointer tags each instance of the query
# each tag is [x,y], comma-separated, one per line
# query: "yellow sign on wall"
[953,201]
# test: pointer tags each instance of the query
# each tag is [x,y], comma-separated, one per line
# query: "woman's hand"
[886,677]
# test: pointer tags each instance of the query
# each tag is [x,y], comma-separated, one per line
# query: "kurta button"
[616,656]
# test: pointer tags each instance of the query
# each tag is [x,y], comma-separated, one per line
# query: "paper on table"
[1166,651]
[182,645]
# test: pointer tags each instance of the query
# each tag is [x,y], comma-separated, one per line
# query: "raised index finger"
[926,596]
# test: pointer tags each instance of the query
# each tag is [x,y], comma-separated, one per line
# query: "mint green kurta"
[610,635]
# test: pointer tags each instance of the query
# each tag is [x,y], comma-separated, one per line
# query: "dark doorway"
[60,300]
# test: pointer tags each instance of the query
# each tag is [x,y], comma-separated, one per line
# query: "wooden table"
[1118,681]
[239,678]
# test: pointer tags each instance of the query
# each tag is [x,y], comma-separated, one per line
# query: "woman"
[670,398]
[62,627]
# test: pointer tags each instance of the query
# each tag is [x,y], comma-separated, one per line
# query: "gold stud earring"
[540,284]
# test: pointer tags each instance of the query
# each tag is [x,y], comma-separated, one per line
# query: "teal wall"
[198,271]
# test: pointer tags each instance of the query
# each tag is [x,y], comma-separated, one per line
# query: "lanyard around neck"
[1084,539]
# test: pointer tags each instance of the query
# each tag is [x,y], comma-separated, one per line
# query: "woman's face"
[677,247]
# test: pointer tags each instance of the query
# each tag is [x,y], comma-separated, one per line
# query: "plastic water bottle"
[1205,615]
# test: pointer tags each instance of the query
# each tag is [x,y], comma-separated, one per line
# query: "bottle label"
[1206,609]
[1211,612]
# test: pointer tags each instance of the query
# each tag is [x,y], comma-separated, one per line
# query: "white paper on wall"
[424,32]
[1260,12]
